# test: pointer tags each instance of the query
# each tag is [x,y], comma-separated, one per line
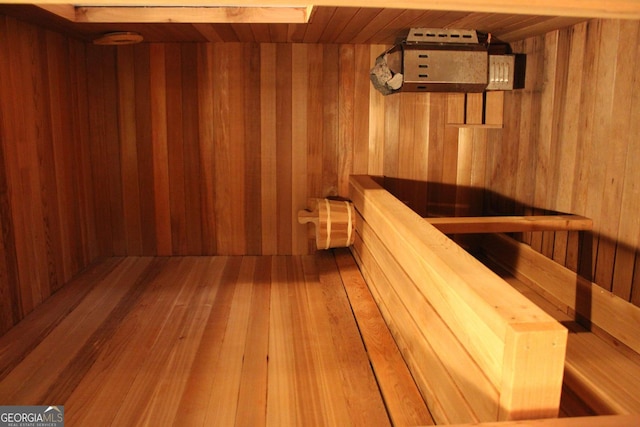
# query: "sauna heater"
[437,60]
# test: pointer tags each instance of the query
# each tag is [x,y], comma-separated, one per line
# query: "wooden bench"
[602,364]
[599,421]
[403,400]
[478,350]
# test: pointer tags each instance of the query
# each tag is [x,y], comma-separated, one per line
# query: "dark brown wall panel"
[46,208]
[213,148]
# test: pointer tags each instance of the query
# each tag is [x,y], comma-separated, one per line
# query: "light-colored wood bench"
[403,400]
[599,421]
[603,363]
[478,350]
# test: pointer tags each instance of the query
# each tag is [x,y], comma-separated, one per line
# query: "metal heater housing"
[437,60]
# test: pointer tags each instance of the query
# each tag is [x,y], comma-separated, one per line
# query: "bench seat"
[602,367]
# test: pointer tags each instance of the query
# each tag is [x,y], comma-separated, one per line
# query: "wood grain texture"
[212,141]
[509,224]
[602,361]
[574,117]
[47,213]
[315,121]
[198,340]
[328,24]
[403,400]
[418,274]
[219,145]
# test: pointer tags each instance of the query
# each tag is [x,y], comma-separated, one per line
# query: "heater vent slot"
[438,35]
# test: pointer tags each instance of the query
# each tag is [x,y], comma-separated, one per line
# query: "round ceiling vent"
[119,38]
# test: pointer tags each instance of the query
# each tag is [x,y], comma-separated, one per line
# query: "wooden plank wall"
[219,145]
[213,148]
[46,207]
[570,143]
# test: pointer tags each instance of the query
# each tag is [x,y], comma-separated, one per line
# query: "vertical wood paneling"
[86,225]
[267,146]
[315,126]
[129,150]
[46,205]
[299,141]
[603,148]
[361,110]
[160,153]
[578,122]
[190,136]
[31,257]
[206,85]
[346,119]
[144,138]
[284,148]
[11,310]
[176,147]
[60,177]
[376,121]
[629,225]
[617,133]
[330,119]
[233,139]
[253,174]
[238,169]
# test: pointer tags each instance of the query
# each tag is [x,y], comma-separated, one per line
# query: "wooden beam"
[620,9]
[182,14]
[66,11]
[511,224]
[231,14]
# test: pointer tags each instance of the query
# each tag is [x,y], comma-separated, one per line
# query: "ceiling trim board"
[621,9]
[182,14]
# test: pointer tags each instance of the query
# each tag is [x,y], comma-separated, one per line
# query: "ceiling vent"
[437,60]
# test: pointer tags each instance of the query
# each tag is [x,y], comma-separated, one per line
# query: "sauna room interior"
[163,195]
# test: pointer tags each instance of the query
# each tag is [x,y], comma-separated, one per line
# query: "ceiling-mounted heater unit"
[437,60]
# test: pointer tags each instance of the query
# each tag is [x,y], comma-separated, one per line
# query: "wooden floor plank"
[25,336]
[223,400]
[282,402]
[253,382]
[305,345]
[29,381]
[163,405]
[202,377]
[247,341]
[106,385]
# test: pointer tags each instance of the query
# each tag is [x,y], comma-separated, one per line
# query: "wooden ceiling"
[373,24]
